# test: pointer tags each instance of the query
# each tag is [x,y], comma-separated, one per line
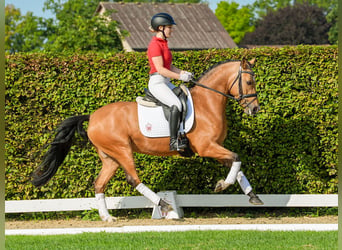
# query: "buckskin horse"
[114,131]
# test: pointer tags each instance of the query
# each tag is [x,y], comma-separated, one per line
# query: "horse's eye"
[249,82]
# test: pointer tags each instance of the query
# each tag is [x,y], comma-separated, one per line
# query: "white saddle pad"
[152,122]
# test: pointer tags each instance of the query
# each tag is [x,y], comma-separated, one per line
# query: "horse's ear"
[244,63]
[252,62]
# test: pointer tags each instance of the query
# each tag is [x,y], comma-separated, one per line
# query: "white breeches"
[161,88]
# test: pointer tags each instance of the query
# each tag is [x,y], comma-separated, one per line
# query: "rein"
[241,95]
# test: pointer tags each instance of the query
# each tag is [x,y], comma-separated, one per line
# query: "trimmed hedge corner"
[289,147]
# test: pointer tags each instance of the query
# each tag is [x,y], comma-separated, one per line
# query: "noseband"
[237,79]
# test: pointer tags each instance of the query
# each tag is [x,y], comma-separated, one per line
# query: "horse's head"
[243,87]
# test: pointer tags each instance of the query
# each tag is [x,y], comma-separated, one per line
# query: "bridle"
[237,79]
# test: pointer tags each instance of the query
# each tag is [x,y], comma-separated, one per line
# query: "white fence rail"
[177,200]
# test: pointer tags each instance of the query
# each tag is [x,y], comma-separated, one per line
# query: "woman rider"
[161,70]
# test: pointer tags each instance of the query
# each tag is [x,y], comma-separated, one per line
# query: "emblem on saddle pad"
[152,120]
[148,127]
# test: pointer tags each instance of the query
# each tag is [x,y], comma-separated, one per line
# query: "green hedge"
[289,147]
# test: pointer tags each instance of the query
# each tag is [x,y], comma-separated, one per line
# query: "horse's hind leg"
[109,167]
[127,161]
[125,157]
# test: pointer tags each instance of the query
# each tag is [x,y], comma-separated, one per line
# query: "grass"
[180,240]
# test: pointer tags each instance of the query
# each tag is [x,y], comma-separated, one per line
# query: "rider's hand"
[185,76]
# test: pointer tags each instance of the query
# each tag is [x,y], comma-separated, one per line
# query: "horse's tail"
[59,148]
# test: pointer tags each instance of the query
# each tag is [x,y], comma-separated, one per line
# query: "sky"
[36,6]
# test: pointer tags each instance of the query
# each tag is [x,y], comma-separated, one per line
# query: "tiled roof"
[197,26]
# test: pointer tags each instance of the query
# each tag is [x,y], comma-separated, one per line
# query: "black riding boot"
[174,121]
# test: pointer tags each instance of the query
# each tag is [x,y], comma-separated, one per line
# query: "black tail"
[59,148]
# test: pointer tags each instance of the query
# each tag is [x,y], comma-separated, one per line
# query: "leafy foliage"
[25,33]
[237,21]
[260,8]
[332,18]
[75,28]
[158,1]
[289,147]
[78,29]
[293,25]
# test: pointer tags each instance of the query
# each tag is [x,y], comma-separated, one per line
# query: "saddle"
[154,116]
[181,92]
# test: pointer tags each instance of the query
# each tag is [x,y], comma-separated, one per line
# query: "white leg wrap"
[102,207]
[244,183]
[231,178]
[148,193]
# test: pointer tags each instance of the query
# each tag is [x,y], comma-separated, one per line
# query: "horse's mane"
[214,66]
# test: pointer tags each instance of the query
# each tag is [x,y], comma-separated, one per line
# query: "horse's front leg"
[231,177]
[247,189]
[231,159]
[236,174]
[228,158]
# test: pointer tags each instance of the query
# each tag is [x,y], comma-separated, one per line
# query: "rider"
[161,70]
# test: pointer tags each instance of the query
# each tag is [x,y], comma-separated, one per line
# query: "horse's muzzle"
[252,109]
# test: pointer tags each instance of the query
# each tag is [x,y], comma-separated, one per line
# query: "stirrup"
[183,140]
[177,145]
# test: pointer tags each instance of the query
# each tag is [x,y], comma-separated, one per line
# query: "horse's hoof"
[164,206]
[172,215]
[109,219]
[255,201]
[220,186]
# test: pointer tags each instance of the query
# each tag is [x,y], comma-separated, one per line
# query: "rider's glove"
[185,76]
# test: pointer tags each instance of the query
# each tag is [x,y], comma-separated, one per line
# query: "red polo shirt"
[159,47]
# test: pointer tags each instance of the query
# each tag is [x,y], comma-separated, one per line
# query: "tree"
[79,29]
[75,28]
[157,1]
[262,7]
[329,7]
[332,18]
[24,33]
[298,24]
[237,21]
[12,17]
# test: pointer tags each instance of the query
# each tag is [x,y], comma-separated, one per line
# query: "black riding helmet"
[161,19]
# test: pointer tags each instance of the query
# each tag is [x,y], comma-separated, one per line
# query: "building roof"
[197,26]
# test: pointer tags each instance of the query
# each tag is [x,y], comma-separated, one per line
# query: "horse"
[114,132]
